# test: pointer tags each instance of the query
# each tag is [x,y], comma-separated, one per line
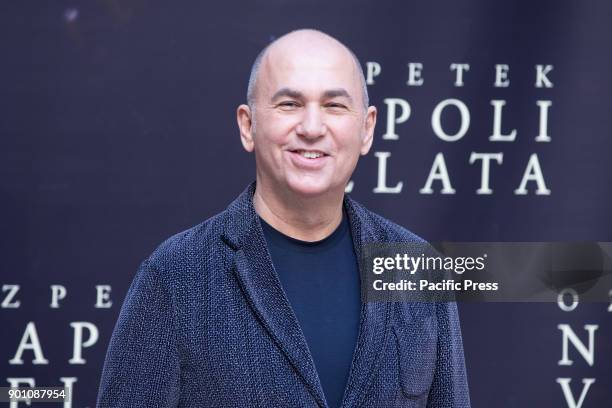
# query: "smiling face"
[310,124]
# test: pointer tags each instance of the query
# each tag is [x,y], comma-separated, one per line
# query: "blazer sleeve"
[450,386]
[142,365]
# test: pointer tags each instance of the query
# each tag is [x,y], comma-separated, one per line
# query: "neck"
[304,218]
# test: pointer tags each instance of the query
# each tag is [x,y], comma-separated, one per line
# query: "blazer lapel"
[373,326]
[262,288]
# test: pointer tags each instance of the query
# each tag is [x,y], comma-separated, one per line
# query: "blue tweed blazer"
[206,324]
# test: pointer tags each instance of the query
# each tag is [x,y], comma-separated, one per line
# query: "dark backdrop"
[117,130]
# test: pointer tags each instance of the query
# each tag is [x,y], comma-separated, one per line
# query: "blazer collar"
[265,295]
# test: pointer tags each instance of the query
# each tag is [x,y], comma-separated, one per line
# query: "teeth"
[311,155]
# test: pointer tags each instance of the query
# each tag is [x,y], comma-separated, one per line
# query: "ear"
[245,124]
[369,124]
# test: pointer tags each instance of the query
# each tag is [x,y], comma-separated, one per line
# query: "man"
[259,306]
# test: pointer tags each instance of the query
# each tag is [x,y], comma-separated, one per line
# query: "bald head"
[305,42]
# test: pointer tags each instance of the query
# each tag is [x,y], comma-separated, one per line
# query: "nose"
[312,124]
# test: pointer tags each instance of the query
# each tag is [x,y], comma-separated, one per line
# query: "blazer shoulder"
[390,231]
[397,232]
[188,246]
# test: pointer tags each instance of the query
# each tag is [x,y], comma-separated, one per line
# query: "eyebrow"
[331,93]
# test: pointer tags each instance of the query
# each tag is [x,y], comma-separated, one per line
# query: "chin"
[309,187]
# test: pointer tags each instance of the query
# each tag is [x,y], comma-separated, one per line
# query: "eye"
[288,105]
[335,105]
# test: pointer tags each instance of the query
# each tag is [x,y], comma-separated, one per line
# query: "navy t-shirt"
[321,281]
